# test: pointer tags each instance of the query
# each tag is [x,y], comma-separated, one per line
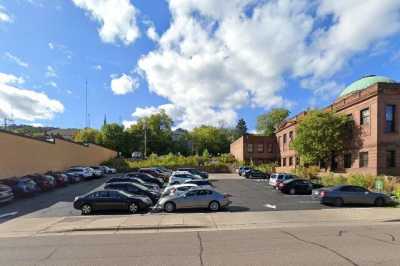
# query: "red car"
[45,182]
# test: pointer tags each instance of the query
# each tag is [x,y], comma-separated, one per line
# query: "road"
[372,245]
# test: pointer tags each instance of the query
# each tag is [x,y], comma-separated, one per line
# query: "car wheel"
[86,209]
[133,208]
[214,206]
[169,207]
[292,191]
[338,202]
[379,202]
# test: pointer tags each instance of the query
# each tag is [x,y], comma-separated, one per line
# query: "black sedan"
[296,186]
[194,171]
[252,173]
[133,180]
[111,200]
[146,178]
[135,189]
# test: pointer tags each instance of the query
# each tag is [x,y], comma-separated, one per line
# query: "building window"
[363,159]
[391,159]
[290,136]
[270,150]
[284,138]
[249,148]
[390,111]
[347,160]
[284,162]
[364,117]
[260,148]
[290,161]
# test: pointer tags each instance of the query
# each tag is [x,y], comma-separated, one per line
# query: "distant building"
[373,102]
[254,148]
[64,133]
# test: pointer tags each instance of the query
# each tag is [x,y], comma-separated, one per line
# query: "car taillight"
[227,195]
[322,194]
[281,184]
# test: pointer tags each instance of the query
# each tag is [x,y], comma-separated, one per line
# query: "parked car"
[108,170]
[253,173]
[115,200]
[6,194]
[283,179]
[346,194]
[133,180]
[296,186]
[45,182]
[23,186]
[181,188]
[182,176]
[97,171]
[199,182]
[195,171]
[73,177]
[134,189]
[146,178]
[152,172]
[243,169]
[279,177]
[61,179]
[167,171]
[83,172]
[194,198]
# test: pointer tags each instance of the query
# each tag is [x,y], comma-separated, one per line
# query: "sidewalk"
[151,223]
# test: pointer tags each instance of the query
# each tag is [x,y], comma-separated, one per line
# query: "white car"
[177,189]
[81,171]
[274,178]
[180,177]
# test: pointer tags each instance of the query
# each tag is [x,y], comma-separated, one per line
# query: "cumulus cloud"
[25,104]
[117,19]
[152,34]
[218,56]
[4,16]
[123,84]
[16,60]
[10,79]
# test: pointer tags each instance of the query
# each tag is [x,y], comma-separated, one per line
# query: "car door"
[187,200]
[351,195]
[202,198]
[102,201]
[117,201]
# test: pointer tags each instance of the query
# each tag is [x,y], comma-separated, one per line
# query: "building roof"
[364,83]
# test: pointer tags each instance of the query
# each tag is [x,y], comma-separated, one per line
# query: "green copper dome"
[364,83]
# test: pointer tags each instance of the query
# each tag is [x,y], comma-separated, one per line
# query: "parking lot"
[247,195]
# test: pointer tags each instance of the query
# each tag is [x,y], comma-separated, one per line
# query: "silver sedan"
[195,198]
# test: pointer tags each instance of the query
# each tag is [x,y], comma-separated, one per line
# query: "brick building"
[373,102]
[254,148]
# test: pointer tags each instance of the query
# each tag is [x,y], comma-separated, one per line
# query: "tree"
[241,128]
[320,135]
[116,138]
[268,123]
[214,140]
[88,135]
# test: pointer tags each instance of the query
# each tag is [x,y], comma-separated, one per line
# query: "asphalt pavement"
[336,245]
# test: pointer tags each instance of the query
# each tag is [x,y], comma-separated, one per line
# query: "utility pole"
[6,120]
[145,139]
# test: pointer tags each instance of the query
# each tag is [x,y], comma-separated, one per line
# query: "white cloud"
[25,104]
[124,84]
[98,67]
[152,34]
[60,48]
[218,56]
[52,84]
[51,73]
[128,123]
[4,16]
[16,60]
[69,92]
[117,19]
[10,79]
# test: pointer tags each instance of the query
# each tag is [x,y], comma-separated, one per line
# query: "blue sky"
[207,62]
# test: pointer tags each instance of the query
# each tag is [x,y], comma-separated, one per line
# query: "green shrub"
[120,164]
[396,191]
[330,180]
[310,172]
[266,168]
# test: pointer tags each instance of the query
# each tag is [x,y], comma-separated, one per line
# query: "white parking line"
[8,214]
[270,206]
